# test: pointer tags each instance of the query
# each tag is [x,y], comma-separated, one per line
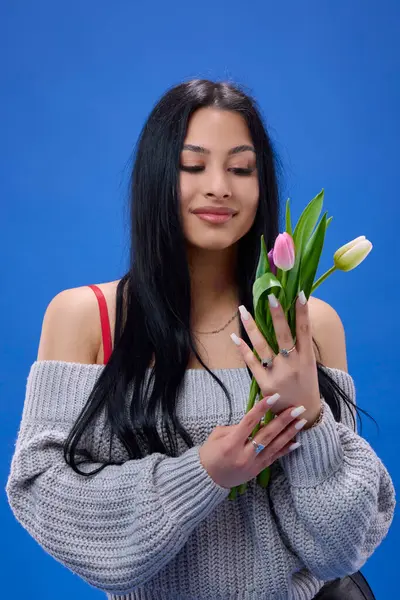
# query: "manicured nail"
[235,339]
[273,300]
[302,297]
[300,424]
[272,399]
[294,446]
[244,312]
[296,412]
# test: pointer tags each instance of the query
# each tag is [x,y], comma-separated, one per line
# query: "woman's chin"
[212,241]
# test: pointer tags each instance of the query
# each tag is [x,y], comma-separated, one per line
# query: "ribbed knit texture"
[161,528]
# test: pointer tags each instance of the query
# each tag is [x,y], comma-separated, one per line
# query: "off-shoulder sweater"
[160,527]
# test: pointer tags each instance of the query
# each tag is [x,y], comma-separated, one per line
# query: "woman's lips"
[213,218]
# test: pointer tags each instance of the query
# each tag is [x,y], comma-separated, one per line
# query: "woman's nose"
[218,187]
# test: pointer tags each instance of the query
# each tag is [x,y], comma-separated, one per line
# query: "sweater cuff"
[186,489]
[319,456]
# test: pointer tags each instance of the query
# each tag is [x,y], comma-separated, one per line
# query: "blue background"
[78,81]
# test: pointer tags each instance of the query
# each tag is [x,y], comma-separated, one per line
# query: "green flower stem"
[242,488]
[322,278]
[233,493]
[284,279]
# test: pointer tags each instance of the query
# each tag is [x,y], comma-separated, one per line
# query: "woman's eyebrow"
[202,150]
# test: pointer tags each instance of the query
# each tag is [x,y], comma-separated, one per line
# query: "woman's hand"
[230,459]
[294,377]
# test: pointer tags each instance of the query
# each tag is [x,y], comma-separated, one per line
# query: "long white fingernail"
[297,411]
[235,339]
[300,424]
[273,300]
[243,312]
[294,446]
[302,297]
[272,399]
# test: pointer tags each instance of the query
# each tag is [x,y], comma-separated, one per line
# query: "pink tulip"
[284,252]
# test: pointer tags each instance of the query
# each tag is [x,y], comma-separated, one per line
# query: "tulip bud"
[284,252]
[350,255]
[271,262]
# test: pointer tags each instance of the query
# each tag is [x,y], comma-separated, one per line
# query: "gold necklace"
[222,328]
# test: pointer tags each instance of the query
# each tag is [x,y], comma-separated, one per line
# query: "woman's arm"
[333,498]
[118,528]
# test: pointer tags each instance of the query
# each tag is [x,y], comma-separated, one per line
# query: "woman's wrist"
[316,420]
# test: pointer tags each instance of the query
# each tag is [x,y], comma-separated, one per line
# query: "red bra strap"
[105,323]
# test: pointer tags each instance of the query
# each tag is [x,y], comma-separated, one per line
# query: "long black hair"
[153,298]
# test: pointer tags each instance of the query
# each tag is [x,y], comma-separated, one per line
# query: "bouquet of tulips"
[290,266]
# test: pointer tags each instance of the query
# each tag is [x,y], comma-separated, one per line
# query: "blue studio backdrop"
[78,81]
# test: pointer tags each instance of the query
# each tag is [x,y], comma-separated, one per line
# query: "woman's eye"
[242,171]
[234,170]
[192,169]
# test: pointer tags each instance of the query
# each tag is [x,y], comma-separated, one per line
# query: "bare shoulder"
[71,329]
[328,331]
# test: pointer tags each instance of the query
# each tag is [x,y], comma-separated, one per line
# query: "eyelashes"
[242,172]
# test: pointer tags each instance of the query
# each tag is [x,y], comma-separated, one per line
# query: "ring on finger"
[286,352]
[267,362]
[258,447]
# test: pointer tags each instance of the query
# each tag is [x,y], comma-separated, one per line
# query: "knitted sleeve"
[118,528]
[333,498]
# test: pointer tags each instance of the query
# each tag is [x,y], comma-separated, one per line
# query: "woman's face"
[222,178]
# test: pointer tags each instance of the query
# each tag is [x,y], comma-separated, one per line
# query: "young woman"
[134,427]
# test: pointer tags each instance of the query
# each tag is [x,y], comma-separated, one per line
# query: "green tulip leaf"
[311,256]
[261,288]
[263,324]
[265,283]
[302,233]
[263,262]
[307,221]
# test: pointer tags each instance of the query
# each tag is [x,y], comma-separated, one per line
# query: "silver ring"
[267,362]
[259,447]
[285,352]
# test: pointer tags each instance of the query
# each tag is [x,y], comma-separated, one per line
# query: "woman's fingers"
[252,418]
[289,447]
[255,366]
[304,341]
[279,437]
[281,326]
[271,437]
[268,432]
[257,339]
[231,460]
[283,334]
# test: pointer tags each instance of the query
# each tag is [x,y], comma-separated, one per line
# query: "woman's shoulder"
[71,329]
[328,331]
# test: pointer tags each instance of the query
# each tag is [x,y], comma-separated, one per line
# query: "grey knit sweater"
[161,528]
